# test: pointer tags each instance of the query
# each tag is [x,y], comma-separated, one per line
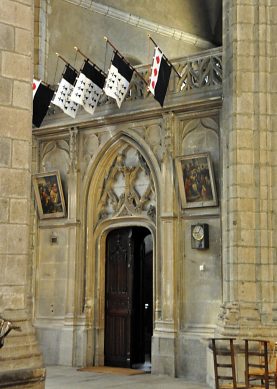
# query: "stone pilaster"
[164,336]
[20,358]
[249,168]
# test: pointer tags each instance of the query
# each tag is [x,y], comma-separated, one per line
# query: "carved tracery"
[127,188]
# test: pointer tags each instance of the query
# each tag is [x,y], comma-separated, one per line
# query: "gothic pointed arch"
[125,159]
[121,189]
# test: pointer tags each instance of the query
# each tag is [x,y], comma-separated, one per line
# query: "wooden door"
[126,321]
[119,286]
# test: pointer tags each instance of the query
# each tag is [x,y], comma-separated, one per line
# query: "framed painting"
[196,181]
[49,195]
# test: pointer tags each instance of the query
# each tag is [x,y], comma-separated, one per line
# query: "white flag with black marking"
[89,87]
[65,89]
[118,80]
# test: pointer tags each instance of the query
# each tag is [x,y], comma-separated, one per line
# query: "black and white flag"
[89,87]
[65,89]
[118,80]
[42,96]
[160,76]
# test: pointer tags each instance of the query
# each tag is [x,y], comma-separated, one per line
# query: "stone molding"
[200,85]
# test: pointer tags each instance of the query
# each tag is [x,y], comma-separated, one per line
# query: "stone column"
[164,337]
[20,358]
[249,168]
[41,39]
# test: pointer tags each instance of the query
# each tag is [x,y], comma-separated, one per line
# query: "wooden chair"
[224,364]
[260,363]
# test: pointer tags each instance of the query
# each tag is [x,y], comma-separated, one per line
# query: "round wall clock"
[200,236]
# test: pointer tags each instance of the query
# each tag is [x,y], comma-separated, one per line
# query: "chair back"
[224,363]
[257,362]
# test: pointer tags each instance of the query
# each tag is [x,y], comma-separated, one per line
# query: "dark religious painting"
[196,181]
[49,195]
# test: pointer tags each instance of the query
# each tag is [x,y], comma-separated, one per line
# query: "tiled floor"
[60,377]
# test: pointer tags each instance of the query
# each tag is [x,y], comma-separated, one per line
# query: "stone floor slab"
[60,377]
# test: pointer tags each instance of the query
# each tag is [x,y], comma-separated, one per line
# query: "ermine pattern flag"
[160,76]
[118,80]
[65,89]
[88,88]
[42,96]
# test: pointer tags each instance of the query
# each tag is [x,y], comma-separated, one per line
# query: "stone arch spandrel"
[200,135]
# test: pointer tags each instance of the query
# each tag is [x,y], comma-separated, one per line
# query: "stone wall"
[20,359]
[249,171]
[69,315]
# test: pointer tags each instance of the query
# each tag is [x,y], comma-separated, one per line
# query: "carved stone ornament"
[205,71]
[128,188]
[73,132]
[229,314]
[169,123]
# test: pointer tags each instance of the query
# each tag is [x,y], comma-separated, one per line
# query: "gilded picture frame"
[196,181]
[49,195]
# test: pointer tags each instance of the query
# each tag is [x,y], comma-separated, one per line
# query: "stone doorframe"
[98,311]
[95,242]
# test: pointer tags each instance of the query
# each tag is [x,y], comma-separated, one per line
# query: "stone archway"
[122,193]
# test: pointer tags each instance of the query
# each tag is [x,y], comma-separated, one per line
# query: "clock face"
[198,232]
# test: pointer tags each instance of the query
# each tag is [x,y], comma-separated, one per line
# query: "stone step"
[25,361]
[17,339]
[23,378]
[17,351]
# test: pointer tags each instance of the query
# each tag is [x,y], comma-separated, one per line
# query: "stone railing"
[201,76]
[199,73]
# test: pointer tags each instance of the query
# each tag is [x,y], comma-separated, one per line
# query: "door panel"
[119,263]
[126,320]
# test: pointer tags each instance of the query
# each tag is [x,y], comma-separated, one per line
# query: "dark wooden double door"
[128,299]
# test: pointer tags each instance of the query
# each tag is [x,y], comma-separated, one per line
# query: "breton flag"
[160,76]
[65,89]
[42,96]
[89,87]
[118,79]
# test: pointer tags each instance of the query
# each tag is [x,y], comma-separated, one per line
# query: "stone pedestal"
[164,349]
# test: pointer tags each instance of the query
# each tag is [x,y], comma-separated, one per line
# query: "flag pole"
[87,58]
[46,83]
[173,67]
[64,60]
[140,76]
